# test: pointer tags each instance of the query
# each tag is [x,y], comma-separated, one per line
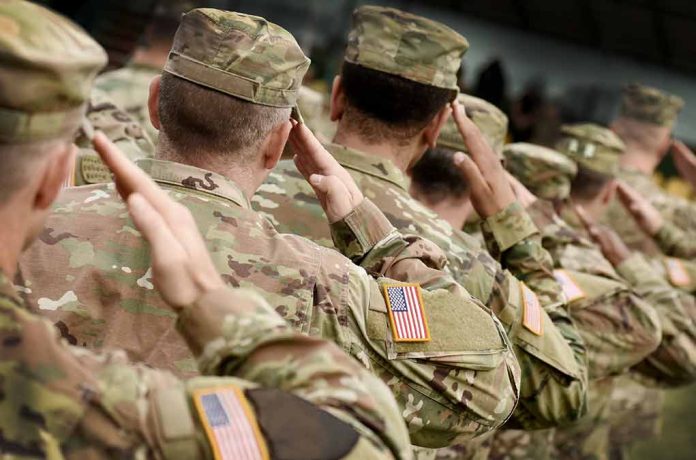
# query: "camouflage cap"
[403,44]
[492,122]
[650,105]
[545,172]
[238,54]
[47,66]
[595,147]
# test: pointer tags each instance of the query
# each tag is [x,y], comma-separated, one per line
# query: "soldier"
[398,76]
[227,108]
[269,385]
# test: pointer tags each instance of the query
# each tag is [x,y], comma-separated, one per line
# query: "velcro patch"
[230,424]
[531,319]
[570,288]
[93,170]
[678,275]
[406,313]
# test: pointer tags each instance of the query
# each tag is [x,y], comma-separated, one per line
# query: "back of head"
[230,78]
[400,70]
[47,67]
[545,172]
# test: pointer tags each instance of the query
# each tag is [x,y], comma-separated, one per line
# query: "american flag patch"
[570,288]
[406,313]
[678,275]
[531,319]
[230,424]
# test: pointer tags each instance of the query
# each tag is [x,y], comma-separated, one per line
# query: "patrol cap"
[406,45]
[545,172]
[240,55]
[592,146]
[650,105]
[492,122]
[47,67]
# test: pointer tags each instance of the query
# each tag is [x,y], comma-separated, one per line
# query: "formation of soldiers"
[395,282]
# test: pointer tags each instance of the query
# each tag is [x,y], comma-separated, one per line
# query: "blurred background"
[544,62]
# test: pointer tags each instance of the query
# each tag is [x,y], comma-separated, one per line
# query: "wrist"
[359,231]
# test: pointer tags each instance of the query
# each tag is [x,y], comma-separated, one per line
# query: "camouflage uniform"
[60,401]
[452,386]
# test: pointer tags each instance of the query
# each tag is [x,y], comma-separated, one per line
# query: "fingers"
[153,227]
[478,147]
[477,183]
[314,154]
[586,220]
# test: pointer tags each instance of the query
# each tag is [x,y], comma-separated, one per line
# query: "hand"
[490,190]
[612,246]
[685,161]
[524,196]
[644,213]
[182,269]
[335,188]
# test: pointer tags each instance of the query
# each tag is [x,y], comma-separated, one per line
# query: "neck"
[155,56]
[403,156]
[594,208]
[640,160]
[455,212]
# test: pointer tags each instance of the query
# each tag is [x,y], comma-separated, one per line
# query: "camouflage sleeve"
[675,242]
[674,361]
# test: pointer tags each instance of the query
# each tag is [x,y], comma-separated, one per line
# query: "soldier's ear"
[432,130]
[338,99]
[153,101]
[273,145]
[52,173]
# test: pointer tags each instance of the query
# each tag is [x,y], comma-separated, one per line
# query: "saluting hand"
[335,188]
[644,213]
[685,161]
[182,270]
[611,244]
[490,190]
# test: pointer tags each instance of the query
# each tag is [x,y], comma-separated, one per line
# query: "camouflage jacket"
[674,241]
[455,385]
[553,362]
[61,401]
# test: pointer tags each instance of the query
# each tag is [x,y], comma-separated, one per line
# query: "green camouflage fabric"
[129,89]
[314,107]
[650,105]
[255,60]
[492,122]
[90,274]
[519,444]
[406,45]
[592,146]
[673,241]
[50,101]
[545,172]
[62,401]
[553,366]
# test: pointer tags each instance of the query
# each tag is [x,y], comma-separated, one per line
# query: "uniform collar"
[365,163]
[190,177]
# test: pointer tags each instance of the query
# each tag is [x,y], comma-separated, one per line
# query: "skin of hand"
[490,188]
[524,196]
[182,270]
[337,191]
[645,214]
[685,161]
[612,246]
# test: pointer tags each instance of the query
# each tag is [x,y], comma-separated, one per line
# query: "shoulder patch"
[531,318]
[678,275]
[570,288]
[93,170]
[230,424]
[406,312]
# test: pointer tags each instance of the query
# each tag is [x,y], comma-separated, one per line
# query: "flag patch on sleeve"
[230,424]
[570,288]
[406,313]
[532,318]
[678,275]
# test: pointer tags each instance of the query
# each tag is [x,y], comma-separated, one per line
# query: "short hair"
[587,184]
[196,121]
[437,178]
[383,106]
[17,161]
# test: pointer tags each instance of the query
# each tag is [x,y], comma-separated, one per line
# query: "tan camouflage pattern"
[62,401]
[492,122]
[553,366]
[455,387]
[238,54]
[545,172]
[406,45]
[50,102]
[674,241]
[129,89]
[519,444]
[592,146]
[650,105]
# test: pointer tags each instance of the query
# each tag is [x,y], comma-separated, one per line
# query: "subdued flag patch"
[531,319]
[230,424]
[678,275]
[570,288]
[406,313]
